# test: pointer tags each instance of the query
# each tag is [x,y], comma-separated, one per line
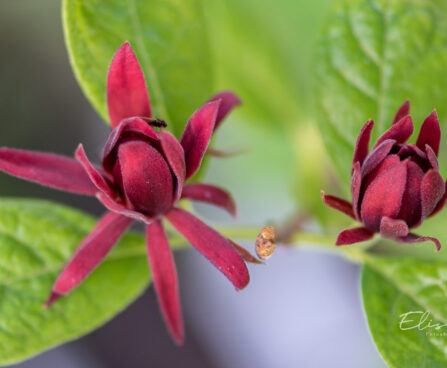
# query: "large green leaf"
[169,38]
[372,55]
[36,240]
[393,287]
[262,50]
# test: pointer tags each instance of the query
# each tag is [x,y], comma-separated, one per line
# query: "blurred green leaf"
[393,287]
[169,38]
[372,55]
[263,51]
[36,240]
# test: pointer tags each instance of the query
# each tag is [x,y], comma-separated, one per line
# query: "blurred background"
[301,310]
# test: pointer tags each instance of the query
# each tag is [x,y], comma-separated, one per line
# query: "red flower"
[395,186]
[142,177]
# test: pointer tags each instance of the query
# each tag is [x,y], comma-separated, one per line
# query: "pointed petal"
[127,94]
[432,191]
[392,228]
[376,156]
[117,207]
[337,204]
[355,235]
[403,111]
[131,127]
[210,194]
[53,298]
[362,145]
[432,158]
[147,180]
[47,169]
[228,101]
[383,197]
[176,159]
[245,254]
[218,250]
[197,135]
[165,279]
[91,251]
[430,133]
[441,203]
[356,182]
[414,238]
[400,131]
[93,173]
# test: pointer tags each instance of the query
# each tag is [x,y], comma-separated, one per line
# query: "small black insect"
[157,123]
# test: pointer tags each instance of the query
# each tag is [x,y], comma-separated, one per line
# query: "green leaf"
[36,240]
[262,50]
[170,41]
[372,55]
[393,287]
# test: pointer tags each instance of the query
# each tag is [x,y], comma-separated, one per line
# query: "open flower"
[142,177]
[396,185]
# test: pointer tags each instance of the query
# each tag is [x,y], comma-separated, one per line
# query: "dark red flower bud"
[396,185]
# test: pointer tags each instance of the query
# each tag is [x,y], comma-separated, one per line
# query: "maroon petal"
[228,101]
[383,197]
[376,157]
[90,253]
[432,191]
[432,158]
[400,131]
[128,127]
[411,208]
[146,178]
[210,194]
[127,94]
[176,159]
[356,182]
[414,238]
[392,228]
[245,254]
[197,135]
[362,145]
[355,235]
[165,278]
[389,161]
[115,206]
[212,245]
[93,173]
[408,150]
[403,111]
[430,133]
[55,171]
[441,203]
[338,204]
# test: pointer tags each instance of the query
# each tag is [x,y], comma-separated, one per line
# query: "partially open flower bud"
[396,185]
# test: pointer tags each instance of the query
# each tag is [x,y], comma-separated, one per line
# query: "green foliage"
[37,238]
[169,38]
[372,55]
[392,287]
[263,51]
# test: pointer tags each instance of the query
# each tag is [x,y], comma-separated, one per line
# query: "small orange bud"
[265,242]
